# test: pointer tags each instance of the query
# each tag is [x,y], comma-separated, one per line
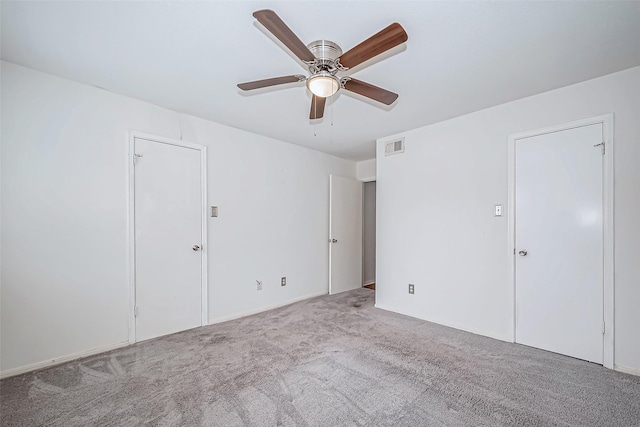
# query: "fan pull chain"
[331,130]
[315,110]
[332,113]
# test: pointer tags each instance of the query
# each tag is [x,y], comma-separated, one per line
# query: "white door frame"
[608,231]
[131,241]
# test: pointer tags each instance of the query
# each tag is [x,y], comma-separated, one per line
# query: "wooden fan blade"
[317,107]
[278,28]
[270,82]
[370,91]
[378,43]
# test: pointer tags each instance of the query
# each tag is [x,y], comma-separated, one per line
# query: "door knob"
[522,253]
[196,248]
[333,241]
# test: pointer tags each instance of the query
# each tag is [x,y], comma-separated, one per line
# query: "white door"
[559,242]
[168,232]
[345,234]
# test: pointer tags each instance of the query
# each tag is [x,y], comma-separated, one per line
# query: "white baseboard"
[59,360]
[262,309]
[619,368]
[369,283]
[63,359]
[626,370]
[448,325]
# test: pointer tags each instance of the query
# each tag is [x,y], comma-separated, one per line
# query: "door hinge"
[603,328]
[602,144]
[136,157]
[135,311]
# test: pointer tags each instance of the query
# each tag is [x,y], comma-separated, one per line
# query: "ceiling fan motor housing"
[326,53]
[325,50]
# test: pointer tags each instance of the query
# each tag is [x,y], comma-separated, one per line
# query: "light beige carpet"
[329,361]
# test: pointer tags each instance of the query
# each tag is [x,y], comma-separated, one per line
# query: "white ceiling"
[188,56]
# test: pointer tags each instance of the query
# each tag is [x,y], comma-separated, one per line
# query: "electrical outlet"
[259,284]
[411,288]
[283,281]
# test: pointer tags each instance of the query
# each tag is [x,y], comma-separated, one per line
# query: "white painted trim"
[626,370]
[330,230]
[609,241]
[60,360]
[267,308]
[441,323]
[362,272]
[163,140]
[511,229]
[204,303]
[608,227]
[131,250]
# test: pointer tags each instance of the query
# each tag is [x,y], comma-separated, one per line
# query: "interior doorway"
[369,234]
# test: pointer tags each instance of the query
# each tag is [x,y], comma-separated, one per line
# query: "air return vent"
[394,147]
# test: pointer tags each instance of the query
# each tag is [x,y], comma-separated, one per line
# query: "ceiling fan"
[325,59]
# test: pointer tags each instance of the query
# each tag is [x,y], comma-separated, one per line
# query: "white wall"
[366,170]
[369,233]
[65,287]
[273,219]
[436,227]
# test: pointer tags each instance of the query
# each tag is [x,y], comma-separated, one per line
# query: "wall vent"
[394,147]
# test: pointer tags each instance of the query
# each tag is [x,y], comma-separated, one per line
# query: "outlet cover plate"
[412,288]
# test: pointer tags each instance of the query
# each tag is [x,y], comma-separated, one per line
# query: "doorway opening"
[369,235]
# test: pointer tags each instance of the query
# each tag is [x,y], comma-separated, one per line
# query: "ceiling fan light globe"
[323,85]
